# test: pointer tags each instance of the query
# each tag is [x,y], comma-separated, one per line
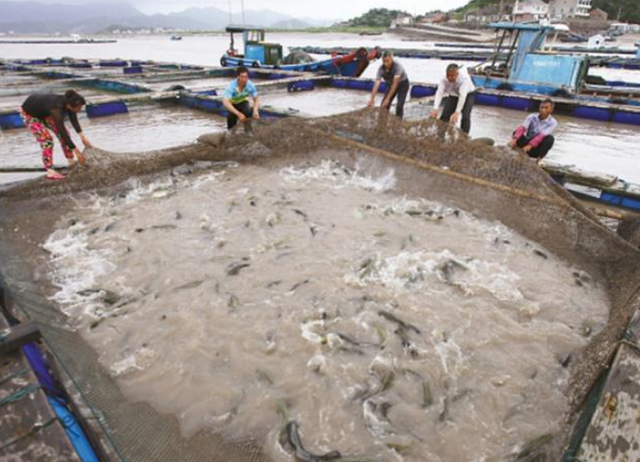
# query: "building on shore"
[402,20]
[598,15]
[488,15]
[435,18]
[530,10]
[562,9]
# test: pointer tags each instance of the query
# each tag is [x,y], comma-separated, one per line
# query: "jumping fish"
[541,254]
[235,268]
[301,213]
[299,284]
[108,297]
[384,384]
[427,396]
[189,285]
[534,451]
[290,440]
[406,326]
[448,268]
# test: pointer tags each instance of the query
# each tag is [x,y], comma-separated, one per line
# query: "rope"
[18,395]
[14,375]
[36,428]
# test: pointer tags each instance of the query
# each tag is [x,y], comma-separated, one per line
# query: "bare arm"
[438,99]
[392,91]
[374,92]
[256,107]
[227,104]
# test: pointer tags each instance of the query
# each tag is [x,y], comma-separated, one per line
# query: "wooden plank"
[614,433]
[29,428]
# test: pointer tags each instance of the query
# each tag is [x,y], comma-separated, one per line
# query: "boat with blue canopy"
[259,53]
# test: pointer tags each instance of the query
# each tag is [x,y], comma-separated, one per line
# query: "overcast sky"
[302,8]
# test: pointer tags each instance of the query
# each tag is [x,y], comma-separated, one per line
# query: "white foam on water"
[340,176]
[383,321]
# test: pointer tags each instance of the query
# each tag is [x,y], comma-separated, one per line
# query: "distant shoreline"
[364,30]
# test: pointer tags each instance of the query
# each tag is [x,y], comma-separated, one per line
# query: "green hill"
[376,17]
[629,9]
[477,4]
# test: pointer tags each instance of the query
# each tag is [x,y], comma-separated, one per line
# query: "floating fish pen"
[283,94]
[344,288]
[613,62]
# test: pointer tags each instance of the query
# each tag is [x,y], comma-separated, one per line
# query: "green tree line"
[629,10]
[376,17]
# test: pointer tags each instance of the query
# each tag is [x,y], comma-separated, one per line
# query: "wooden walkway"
[29,428]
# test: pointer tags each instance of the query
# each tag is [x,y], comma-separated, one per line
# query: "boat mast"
[242,5]
[230,14]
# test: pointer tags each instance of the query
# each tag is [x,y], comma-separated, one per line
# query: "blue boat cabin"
[261,53]
[528,67]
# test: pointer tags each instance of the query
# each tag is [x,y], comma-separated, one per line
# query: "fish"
[366,267]
[444,413]
[377,417]
[109,227]
[264,377]
[294,444]
[355,342]
[427,396]
[533,451]
[299,284]
[351,350]
[541,254]
[178,215]
[273,284]
[384,384]
[189,285]
[313,230]
[407,344]
[449,267]
[406,326]
[164,227]
[235,268]
[106,296]
[233,302]
[301,213]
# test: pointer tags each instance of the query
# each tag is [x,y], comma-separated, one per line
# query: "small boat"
[264,55]
[532,69]
[176,38]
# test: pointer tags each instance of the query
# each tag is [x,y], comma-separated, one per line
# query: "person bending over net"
[457,95]
[396,82]
[534,136]
[236,100]
[46,112]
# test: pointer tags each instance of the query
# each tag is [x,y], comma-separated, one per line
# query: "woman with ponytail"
[44,112]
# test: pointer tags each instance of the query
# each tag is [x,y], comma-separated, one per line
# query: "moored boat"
[260,54]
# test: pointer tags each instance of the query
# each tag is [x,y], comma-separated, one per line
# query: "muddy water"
[144,128]
[319,102]
[13,99]
[592,146]
[213,82]
[385,326]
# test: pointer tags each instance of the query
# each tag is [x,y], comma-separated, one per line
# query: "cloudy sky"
[302,8]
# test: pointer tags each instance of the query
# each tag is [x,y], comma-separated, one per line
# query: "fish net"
[430,160]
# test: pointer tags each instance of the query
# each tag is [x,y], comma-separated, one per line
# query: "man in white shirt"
[456,94]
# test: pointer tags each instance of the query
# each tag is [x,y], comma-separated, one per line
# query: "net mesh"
[430,159]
